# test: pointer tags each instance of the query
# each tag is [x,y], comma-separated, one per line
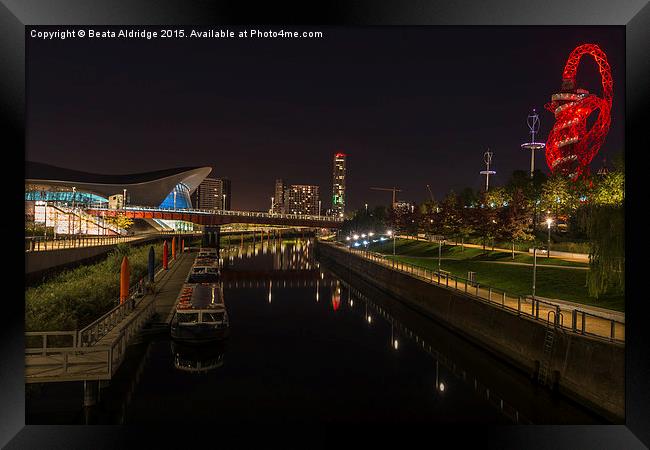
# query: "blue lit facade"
[178,198]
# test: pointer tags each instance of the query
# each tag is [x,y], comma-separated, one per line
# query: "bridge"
[211,217]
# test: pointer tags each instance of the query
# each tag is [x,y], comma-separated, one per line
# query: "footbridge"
[212,217]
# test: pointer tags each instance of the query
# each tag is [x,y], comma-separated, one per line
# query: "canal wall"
[591,371]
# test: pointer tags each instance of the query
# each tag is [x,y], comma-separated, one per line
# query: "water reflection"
[359,355]
[440,385]
[197,359]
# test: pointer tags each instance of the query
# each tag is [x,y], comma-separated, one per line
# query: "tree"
[514,220]
[605,224]
[484,219]
[120,221]
[559,197]
[450,215]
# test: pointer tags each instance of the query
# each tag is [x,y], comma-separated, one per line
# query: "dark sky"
[410,106]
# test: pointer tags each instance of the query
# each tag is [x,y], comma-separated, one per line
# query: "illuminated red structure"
[571,146]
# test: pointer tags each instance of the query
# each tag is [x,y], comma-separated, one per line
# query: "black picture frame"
[634,15]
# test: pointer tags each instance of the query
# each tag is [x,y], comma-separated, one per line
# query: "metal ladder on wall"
[545,363]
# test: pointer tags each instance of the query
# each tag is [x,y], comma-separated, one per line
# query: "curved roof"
[144,189]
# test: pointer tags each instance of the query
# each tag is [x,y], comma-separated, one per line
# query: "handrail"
[610,329]
[225,212]
[101,326]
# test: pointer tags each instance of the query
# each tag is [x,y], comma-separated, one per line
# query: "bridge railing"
[570,319]
[223,212]
[40,243]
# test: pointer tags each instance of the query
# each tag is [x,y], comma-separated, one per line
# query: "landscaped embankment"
[589,370]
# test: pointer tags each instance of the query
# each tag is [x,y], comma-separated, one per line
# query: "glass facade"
[63,197]
[178,198]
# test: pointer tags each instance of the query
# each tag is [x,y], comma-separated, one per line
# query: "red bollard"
[164,256]
[174,247]
[124,280]
[182,245]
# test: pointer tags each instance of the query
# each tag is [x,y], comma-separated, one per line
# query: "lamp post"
[318,208]
[549,221]
[390,233]
[74,195]
[272,204]
[123,198]
[534,269]
[439,253]
[223,203]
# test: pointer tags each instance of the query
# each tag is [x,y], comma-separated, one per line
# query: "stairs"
[544,365]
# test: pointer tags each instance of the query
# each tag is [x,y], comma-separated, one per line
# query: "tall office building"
[278,197]
[301,199]
[212,193]
[338,185]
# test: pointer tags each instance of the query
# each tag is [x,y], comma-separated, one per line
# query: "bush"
[74,298]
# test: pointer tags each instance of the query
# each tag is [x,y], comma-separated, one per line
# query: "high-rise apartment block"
[301,199]
[338,185]
[213,193]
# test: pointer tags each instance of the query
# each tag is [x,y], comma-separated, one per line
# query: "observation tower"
[533,126]
[571,146]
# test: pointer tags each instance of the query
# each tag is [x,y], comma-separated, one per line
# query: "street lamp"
[223,203]
[390,233]
[549,221]
[318,208]
[439,253]
[123,198]
[272,204]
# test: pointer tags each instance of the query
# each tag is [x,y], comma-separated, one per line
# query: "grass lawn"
[552,282]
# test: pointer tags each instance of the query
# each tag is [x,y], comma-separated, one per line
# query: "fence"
[81,359]
[566,318]
[40,243]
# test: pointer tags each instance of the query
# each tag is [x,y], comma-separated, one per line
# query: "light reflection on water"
[305,345]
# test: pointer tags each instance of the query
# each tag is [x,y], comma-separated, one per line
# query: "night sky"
[410,106]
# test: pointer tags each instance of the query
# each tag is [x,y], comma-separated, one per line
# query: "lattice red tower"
[571,146]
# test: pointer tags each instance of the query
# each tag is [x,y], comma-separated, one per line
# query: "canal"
[308,344]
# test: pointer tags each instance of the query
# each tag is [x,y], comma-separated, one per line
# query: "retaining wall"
[589,370]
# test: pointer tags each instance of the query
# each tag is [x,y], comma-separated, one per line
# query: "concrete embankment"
[591,371]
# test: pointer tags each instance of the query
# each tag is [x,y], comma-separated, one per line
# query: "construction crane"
[430,193]
[393,189]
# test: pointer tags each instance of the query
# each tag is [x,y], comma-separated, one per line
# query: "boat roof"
[195,296]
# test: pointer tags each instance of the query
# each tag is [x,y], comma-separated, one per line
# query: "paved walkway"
[512,263]
[583,258]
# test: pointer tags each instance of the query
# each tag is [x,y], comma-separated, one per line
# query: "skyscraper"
[212,193]
[338,185]
[278,198]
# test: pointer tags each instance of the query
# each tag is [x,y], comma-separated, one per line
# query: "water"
[308,346]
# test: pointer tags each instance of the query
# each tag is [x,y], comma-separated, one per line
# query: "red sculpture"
[570,146]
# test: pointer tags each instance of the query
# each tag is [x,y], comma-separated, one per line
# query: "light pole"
[318,208]
[174,199]
[390,233]
[74,195]
[439,254]
[366,208]
[272,204]
[223,203]
[549,221]
[534,269]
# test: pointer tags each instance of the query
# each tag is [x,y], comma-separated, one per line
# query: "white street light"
[549,221]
